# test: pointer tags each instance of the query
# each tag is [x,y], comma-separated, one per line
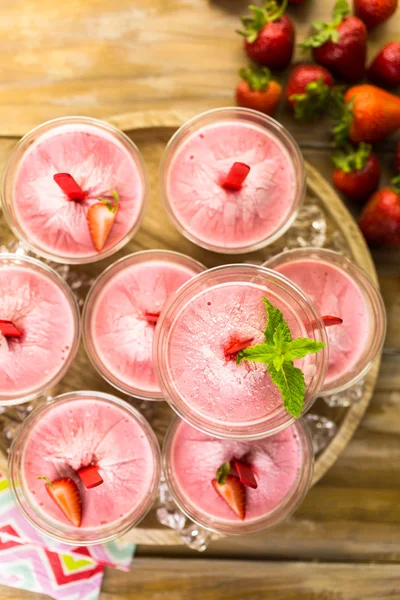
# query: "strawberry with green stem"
[380,219]
[340,46]
[269,35]
[278,352]
[368,114]
[358,172]
[258,90]
[309,90]
[101,218]
[385,68]
[231,490]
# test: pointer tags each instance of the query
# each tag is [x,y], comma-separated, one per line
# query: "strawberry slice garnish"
[90,476]
[64,492]
[101,217]
[8,329]
[236,344]
[232,491]
[246,474]
[329,320]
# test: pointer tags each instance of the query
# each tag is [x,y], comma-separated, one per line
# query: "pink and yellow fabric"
[30,561]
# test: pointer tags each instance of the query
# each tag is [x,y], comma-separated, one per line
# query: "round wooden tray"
[151,131]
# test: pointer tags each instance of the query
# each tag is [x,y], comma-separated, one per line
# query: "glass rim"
[104,277]
[274,517]
[57,531]
[47,271]
[281,134]
[251,430]
[138,159]
[368,287]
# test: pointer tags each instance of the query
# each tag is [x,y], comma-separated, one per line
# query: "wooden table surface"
[99,58]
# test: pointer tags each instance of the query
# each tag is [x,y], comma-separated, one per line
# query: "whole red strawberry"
[357,172]
[374,12]
[340,46]
[385,68]
[258,91]
[308,90]
[380,219]
[269,35]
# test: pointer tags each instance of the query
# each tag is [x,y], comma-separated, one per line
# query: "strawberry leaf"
[396,183]
[257,78]
[325,32]
[352,159]
[222,473]
[252,25]
[313,102]
[341,131]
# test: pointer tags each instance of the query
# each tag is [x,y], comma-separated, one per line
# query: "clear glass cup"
[192,508]
[20,224]
[28,503]
[254,120]
[190,343]
[112,372]
[375,321]
[43,381]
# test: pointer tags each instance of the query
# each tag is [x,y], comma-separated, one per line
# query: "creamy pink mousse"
[39,308]
[335,293]
[195,457]
[121,335]
[225,218]
[76,433]
[210,383]
[99,163]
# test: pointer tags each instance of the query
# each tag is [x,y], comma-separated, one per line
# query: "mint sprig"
[278,352]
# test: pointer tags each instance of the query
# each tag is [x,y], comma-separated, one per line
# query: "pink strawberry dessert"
[75,190]
[338,287]
[232,180]
[87,467]
[121,314]
[237,487]
[39,328]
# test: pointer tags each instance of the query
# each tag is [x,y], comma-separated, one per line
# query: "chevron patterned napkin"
[31,561]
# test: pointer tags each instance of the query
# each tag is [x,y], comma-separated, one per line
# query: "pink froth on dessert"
[222,218]
[335,292]
[85,431]
[100,159]
[122,313]
[193,458]
[40,307]
[204,373]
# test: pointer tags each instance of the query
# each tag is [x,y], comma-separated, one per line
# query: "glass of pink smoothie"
[340,288]
[282,465]
[196,162]
[197,373]
[74,431]
[100,158]
[44,310]
[121,313]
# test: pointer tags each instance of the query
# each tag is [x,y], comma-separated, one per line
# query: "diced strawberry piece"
[237,344]
[101,218]
[233,493]
[66,495]
[329,320]
[69,186]
[151,317]
[246,474]
[8,329]
[90,476]
[236,176]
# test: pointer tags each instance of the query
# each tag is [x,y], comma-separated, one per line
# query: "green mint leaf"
[263,353]
[300,347]
[222,473]
[291,384]
[275,318]
[278,361]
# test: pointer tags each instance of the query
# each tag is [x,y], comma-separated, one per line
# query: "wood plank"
[236,580]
